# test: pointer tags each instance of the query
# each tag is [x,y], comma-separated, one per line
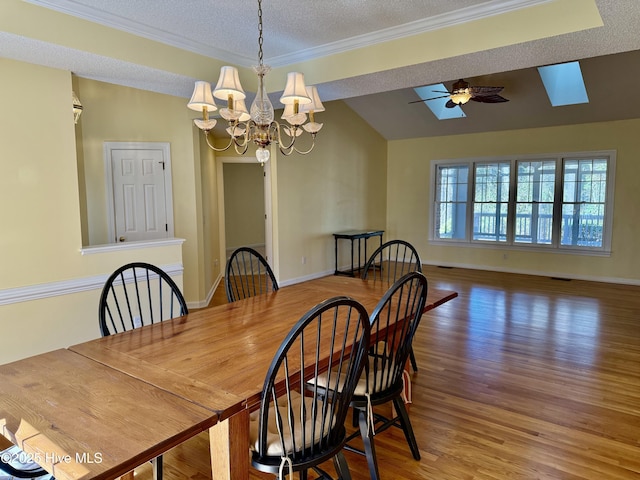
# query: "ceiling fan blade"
[485,90]
[451,104]
[427,99]
[489,99]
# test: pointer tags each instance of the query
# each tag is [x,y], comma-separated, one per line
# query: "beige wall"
[244,204]
[41,241]
[41,236]
[408,196]
[340,185]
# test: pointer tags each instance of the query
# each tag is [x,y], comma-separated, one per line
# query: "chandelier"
[258,126]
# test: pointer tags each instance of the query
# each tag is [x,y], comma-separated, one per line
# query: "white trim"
[205,303]
[108,175]
[118,247]
[66,287]
[306,278]
[429,24]
[562,275]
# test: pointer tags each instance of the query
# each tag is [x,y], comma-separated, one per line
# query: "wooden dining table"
[214,360]
[81,419]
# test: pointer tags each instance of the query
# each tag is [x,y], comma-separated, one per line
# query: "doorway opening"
[244,202]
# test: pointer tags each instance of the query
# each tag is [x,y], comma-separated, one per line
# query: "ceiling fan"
[461,92]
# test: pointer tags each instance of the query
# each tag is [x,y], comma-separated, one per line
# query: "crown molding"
[436,22]
[124,24]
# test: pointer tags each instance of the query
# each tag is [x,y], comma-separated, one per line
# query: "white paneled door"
[141,198]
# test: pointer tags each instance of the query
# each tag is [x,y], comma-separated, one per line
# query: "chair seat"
[274,446]
[377,381]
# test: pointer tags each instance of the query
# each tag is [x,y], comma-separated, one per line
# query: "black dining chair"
[16,463]
[301,424]
[248,274]
[135,295]
[388,263]
[138,294]
[393,324]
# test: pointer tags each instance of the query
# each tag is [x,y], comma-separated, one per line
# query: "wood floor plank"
[520,378]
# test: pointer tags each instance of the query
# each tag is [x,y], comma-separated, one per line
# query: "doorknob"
[121,239]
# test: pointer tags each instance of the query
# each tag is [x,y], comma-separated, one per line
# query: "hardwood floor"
[520,377]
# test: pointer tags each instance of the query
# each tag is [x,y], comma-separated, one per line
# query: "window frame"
[555,246]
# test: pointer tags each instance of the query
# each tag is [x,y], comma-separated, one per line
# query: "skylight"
[564,84]
[437,106]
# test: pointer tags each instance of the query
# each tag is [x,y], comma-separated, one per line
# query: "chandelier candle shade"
[257,125]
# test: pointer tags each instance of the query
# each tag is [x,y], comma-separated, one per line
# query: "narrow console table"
[361,236]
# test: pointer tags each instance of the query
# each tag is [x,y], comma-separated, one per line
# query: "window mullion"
[511,207]
[557,203]
[471,200]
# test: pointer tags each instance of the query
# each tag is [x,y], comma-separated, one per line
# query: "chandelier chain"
[260,32]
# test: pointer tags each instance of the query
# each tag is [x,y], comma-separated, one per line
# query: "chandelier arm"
[292,148]
[276,128]
[244,146]
[245,136]
[286,153]
[313,144]
[206,136]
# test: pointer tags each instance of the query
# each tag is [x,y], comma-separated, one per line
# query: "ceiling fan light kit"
[258,125]
[461,92]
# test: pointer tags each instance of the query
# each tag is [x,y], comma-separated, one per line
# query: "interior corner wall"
[408,190]
[211,262]
[340,185]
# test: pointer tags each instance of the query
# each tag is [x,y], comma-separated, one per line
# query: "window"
[535,189]
[552,202]
[491,201]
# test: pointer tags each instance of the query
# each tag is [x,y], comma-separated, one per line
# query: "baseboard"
[537,273]
[205,303]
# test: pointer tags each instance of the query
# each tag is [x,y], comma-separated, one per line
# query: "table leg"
[229,446]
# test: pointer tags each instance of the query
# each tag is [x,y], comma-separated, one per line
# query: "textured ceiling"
[300,30]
